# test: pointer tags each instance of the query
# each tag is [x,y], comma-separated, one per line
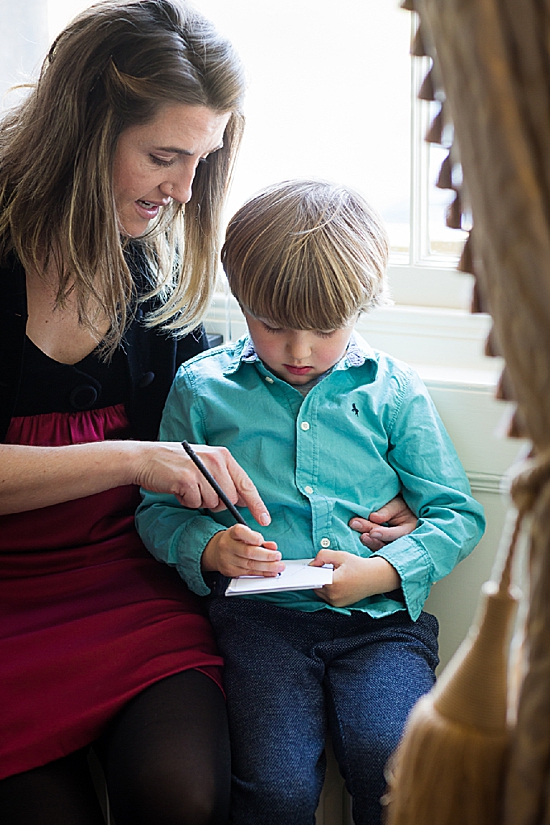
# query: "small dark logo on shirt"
[354,409]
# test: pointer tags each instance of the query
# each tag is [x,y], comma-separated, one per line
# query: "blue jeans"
[291,677]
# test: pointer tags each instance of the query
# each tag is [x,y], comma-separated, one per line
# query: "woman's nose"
[180,186]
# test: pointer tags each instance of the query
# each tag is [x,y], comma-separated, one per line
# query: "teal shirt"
[366,432]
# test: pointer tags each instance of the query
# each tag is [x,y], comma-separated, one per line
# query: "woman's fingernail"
[376,534]
[265,519]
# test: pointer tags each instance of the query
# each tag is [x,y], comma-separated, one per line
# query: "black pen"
[213,483]
[215,581]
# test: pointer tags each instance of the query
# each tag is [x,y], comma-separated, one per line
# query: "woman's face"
[155,163]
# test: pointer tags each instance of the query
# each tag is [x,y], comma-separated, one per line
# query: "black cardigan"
[153,356]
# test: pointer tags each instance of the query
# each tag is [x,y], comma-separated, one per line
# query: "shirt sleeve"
[175,534]
[435,487]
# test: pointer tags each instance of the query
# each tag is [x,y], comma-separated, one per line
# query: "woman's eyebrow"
[186,152]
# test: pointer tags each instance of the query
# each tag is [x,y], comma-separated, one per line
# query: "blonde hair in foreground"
[307,254]
[113,67]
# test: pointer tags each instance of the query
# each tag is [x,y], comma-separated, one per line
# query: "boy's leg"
[276,712]
[371,687]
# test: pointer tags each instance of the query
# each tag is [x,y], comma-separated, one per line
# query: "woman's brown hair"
[113,67]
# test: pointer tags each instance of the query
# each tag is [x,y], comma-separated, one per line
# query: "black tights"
[165,757]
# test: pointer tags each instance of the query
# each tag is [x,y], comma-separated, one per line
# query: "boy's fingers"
[264,560]
[259,554]
[271,545]
[333,557]
[254,566]
[253,543]
[245,534]
[253,550]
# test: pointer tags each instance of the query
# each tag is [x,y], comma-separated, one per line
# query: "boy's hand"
[399,518]
[355,578]
[240,551]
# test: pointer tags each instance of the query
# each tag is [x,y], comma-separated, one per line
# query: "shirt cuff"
[414,566]
[190,550]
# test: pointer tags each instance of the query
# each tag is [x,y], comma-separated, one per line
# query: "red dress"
[88,618]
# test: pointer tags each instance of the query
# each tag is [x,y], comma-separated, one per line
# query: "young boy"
[328,429]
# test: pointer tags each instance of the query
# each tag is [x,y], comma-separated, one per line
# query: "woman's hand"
[399,518]
[355,577]
[32,477]
[240,551]
[166,468]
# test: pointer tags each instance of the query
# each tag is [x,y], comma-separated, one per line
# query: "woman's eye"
[161,161]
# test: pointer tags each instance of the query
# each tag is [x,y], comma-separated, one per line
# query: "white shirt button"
[308,489]
[304,425]
[269,379]
[325,542]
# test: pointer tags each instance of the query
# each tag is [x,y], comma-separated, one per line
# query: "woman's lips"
[148,209]
[297,370]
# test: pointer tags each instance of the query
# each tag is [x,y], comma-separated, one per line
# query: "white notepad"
[297,575]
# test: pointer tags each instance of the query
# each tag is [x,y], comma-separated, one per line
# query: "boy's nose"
[300,346]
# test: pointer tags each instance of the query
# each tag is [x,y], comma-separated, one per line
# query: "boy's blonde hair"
[306,254]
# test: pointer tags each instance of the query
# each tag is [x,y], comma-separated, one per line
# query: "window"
[332,93]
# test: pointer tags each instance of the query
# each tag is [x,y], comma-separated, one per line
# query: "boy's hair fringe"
[307,254]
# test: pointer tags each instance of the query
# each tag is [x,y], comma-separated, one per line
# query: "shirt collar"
[357,353]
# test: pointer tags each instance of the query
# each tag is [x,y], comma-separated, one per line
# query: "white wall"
[454,599]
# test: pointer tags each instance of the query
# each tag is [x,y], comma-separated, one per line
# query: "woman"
[112,180]
[136,101]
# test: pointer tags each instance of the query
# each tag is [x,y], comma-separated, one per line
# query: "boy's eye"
[328,334]
[272,329]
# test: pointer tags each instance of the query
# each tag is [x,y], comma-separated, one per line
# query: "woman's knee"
[166,797]
[167,757]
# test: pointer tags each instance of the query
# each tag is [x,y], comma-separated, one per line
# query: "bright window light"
[332,94]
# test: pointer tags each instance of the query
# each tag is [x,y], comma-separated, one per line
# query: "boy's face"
[297,355]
